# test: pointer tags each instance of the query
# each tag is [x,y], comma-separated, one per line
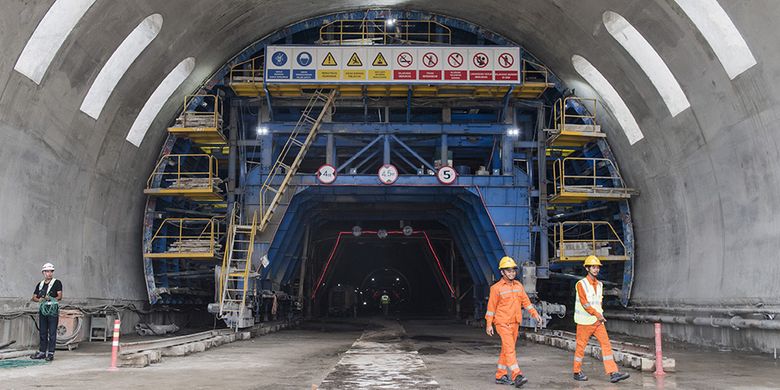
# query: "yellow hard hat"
[592,260]
[507,262]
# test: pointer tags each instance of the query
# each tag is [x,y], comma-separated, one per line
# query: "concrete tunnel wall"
[71,187]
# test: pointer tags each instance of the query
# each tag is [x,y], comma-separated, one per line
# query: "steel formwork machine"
[375,126]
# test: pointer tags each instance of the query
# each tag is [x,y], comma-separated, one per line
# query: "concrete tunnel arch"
[707,176]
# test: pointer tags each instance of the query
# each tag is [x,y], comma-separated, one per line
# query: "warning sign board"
[492,65]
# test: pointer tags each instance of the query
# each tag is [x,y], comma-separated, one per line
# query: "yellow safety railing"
[575,240]
[208,118]
[534,73]
[562,118]
[249,71]
[589,181]
[195,237]
[380,31]
[183,180]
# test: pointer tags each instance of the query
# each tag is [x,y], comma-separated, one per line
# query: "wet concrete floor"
[438,353]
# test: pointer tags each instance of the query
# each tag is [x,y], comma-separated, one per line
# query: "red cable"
[452,291]
[333,252]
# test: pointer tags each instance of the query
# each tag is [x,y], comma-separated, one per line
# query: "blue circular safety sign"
[279,58]
[304,58]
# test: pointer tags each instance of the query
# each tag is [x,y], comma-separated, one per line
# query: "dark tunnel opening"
[417,268]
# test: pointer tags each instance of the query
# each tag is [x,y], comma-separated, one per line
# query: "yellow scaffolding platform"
[576,240]
[202,186]
[202,127]
[571,134]
[246,79]
[186,238]
[589,185]
[381,32]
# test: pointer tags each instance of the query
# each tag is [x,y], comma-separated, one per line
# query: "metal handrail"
[562,118]
[254,73]
[190,115]
[560,177]
[211,173]
[210,230]
[526,72]
[560,240]
[373,31]
[231,222]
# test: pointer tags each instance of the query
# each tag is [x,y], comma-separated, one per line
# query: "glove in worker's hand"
[489,330]
[538,318]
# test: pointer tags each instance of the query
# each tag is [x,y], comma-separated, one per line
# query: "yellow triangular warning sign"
[379,60]
[354,60]
[329,60]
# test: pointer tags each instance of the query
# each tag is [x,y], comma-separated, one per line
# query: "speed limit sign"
[446,175]
[388,174]
[326,174]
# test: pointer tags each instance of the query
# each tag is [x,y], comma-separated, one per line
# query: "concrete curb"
[155,354]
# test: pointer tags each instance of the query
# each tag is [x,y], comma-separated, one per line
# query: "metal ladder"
[236,268]
[307,120]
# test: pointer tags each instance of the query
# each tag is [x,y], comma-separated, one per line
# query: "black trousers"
[48,330]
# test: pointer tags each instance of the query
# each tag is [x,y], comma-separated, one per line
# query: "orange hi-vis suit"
[586,305]
[507,300]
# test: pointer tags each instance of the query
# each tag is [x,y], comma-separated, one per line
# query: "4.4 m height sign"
[393,64]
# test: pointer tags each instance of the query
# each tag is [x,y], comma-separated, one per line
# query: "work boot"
[618,376]
[504,380]
[520,380]
[579,376]
[38,355]
[49,357]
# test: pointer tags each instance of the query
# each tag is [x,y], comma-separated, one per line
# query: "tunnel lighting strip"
[648,59]
[722,35]
[49,36]
[117,65]
[157,100]
[392,232]
[610,97]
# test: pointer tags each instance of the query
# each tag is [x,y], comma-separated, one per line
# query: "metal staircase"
[236,269]
[307,120]
[237,264]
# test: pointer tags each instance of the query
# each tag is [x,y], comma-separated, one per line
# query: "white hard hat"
[47,267]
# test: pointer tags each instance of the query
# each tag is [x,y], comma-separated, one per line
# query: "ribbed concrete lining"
[705,223]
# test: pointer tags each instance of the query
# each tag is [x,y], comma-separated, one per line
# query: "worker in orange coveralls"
[588,314]
[505,310]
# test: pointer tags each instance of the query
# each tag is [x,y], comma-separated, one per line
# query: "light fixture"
[262,130]
[357,231]
[408,230]
[390,22]
[513,132]
[382,233]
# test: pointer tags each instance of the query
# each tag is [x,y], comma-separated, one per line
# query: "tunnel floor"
[436,352]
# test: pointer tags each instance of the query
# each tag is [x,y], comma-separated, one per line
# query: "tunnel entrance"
[311,174]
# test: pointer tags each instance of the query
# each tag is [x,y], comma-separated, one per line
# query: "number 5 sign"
[446,175]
